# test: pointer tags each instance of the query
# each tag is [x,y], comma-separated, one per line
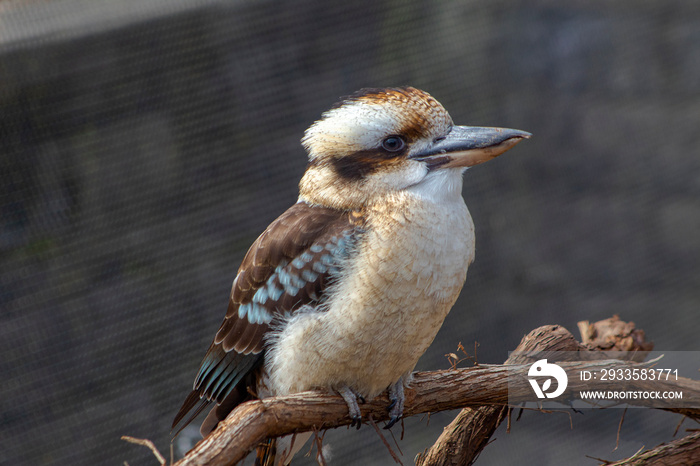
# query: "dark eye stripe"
[362,163]
[356,166]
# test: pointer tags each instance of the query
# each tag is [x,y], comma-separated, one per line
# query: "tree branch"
[680,452]
[252,422]
[463,440]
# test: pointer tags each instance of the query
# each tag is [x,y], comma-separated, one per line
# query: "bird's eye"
[393,144]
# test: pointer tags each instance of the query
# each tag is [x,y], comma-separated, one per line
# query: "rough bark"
[483,389]
[681,452]
[465,437]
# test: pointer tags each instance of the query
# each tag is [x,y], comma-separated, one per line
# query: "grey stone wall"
[143,148]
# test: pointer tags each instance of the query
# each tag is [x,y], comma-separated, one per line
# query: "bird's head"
[380,141]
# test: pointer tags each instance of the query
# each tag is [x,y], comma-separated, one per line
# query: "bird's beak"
[466,146]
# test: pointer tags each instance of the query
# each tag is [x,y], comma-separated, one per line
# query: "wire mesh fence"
[144,145]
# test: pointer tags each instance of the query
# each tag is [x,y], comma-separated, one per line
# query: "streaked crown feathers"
[361,121]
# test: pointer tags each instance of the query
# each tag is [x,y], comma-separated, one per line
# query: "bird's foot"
[351,397]
[397,398]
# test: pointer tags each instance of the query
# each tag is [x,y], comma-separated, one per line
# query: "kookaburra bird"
[348,288]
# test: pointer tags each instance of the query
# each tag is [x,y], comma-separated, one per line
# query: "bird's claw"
[356,421]
[396,396]
[395,408]
[351,397]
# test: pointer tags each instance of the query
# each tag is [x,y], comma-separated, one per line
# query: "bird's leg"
[351,397]
[396,396]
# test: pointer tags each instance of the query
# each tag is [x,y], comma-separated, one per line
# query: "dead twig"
[146,443]
[386,444]
[619,428]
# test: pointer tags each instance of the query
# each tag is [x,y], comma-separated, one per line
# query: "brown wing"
[290,265]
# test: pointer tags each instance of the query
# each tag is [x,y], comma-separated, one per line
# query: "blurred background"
[144,144]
